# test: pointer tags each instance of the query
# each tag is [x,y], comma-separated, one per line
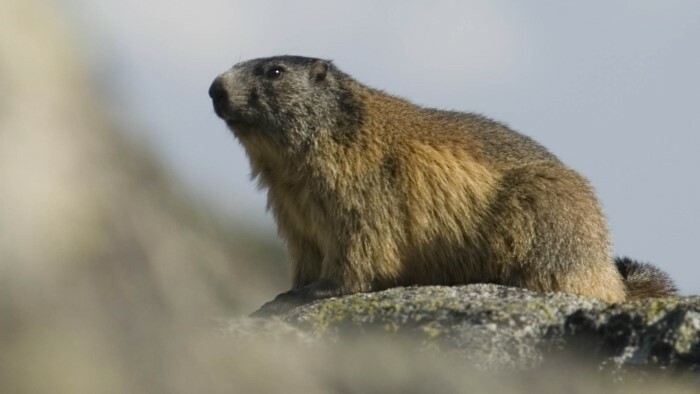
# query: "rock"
[499,327]
[108,264]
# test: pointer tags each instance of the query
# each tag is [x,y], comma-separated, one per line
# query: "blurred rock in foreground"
[109,271]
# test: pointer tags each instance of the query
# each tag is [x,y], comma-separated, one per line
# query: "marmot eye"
[274,72]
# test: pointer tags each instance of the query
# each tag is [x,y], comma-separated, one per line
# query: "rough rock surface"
[492,326]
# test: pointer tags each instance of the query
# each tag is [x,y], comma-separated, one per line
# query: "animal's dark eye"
[274,72]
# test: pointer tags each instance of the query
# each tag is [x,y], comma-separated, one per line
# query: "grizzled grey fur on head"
[291,98]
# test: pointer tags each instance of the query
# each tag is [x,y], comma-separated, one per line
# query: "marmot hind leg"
[557,232]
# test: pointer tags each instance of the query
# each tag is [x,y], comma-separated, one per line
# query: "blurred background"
[128,222]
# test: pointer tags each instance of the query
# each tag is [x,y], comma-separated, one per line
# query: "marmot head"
[289,99]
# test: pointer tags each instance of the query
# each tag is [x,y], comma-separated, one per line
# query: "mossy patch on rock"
[493,326]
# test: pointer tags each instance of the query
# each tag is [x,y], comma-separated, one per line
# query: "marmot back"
[370,191]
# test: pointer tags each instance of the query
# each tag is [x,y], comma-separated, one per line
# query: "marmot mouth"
[238,124]
[228,115]
[234,122]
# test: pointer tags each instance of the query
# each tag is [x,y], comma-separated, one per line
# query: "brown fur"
[370,191]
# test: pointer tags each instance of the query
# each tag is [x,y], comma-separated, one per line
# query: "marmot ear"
[319,70]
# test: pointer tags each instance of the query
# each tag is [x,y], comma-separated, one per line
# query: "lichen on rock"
[492,326]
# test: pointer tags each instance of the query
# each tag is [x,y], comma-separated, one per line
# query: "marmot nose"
[217,92]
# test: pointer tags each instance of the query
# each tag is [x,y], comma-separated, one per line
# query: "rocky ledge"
[491,326]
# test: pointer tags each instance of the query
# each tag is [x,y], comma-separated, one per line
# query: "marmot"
[370,191]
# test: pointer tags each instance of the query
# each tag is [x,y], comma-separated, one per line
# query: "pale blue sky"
[611,87]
